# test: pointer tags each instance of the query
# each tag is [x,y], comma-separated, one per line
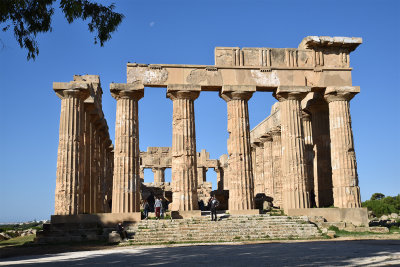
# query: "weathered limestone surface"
[241,184]
[268,167]
[295,188]
[159,174]
[184,156]
[126,184]
[302,154]
[79,165]
[277,167]
[322,153]
[346,192]
[258,170]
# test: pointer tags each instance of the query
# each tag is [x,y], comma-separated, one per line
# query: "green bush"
[381,205]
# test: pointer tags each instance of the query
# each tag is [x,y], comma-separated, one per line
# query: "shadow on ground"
[319,253]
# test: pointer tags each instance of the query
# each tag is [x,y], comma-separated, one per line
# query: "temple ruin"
[301,156]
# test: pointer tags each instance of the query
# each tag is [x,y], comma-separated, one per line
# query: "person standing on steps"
[146,208]
[157,207]
[214,203]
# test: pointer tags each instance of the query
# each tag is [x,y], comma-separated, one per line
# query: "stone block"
[114,237]
[356,216]
[105,219]
[244,212]
[185,214]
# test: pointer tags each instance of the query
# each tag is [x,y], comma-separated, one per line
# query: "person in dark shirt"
[121,231]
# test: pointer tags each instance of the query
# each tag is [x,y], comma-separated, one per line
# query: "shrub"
[381,205]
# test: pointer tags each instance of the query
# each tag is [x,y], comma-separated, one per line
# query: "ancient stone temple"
[301,156]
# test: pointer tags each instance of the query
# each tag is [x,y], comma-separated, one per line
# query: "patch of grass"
[18,241]
[340,233]
[236,238]
[394,229]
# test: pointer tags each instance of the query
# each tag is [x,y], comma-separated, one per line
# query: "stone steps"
[228,228]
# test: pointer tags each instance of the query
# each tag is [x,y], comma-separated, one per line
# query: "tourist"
[121,231]
[146,208]
[157,207]
[214,203]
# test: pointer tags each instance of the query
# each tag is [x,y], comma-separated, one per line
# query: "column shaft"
[259,182]
[346,192]
[295,191]
[268,168]
[241,183]
[126,182]
[277,168]
[184,156]
[69,157]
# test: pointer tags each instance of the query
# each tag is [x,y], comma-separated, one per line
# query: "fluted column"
[159,174]
[70,153]
[322,154]
[126,182]
[268,167]
[295,191]
[259,184]
[309,155]
[201,175]
[277,166]
[241,183]
[184,156]
[346,192]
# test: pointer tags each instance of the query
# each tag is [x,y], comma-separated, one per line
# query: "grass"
[18,241]
[394,230]
[341,233]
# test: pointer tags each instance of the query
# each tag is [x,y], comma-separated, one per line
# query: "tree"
[30,17]
[377,196]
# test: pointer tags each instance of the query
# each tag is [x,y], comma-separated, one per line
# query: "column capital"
[284,93]
[183,91]
[340,93]
[71,89]
[127,90]
[237,92]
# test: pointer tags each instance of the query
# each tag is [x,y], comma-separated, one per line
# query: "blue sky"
[186,32]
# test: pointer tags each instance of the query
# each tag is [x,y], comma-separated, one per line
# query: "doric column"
[126,181]
[85,207]
[70,153]
[295,194]
[309,155]
[346,192]
[201,175]
[159,174]
[141,175]
[93,163]
[241,183]
[259,183]
[184,156]
[322,154]
[277,166]
[220,178]
[268,167]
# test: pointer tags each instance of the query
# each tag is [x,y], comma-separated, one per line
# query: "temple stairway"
[227,228]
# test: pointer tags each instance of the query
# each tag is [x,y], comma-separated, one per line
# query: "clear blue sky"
[186,32]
